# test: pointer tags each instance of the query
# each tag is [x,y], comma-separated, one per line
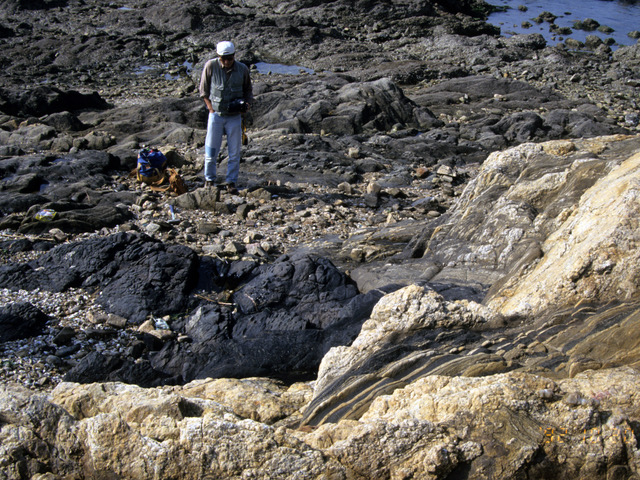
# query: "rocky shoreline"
[430,270]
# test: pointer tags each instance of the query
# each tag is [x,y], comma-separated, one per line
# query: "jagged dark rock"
[21,320]
[76,187]
[134,275]
[97,367]
[288,316]
[42,101]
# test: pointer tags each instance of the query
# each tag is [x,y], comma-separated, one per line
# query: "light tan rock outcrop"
[593,256]
[514,210]
[123,431]
[259,399]
[499,427]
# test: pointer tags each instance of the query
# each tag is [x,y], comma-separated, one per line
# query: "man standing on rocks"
[225,87]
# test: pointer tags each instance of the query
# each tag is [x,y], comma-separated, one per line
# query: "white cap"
[225,48]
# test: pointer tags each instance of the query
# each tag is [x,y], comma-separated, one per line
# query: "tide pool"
[622,16]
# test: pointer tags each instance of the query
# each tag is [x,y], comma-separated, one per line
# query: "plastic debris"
[46,215]
[160,324]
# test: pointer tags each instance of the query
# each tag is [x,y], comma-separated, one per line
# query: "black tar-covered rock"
[293,294]
[135,275]
[77,187]
[21,320]
[281,320]
[287,317]
[97,367]
[46,100]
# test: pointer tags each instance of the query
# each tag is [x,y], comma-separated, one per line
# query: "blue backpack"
[151,165]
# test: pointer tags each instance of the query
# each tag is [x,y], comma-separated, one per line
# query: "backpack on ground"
[152,165]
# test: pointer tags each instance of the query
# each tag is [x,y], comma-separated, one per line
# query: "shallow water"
[622,16]
[267,68]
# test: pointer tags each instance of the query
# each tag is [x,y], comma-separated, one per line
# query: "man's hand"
[208,104]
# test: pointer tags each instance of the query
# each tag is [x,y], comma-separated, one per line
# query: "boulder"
[590,256]
[284,296]
[521,195]
[201,198]
[354,108]
[498,426]
[125,431]
[133,275]
[287,316]
[411,333]
[21,320]
[98,367]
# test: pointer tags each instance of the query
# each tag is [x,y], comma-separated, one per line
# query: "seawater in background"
[622,16]
[267,68]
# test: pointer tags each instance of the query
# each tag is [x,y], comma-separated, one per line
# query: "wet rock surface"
[434,232]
